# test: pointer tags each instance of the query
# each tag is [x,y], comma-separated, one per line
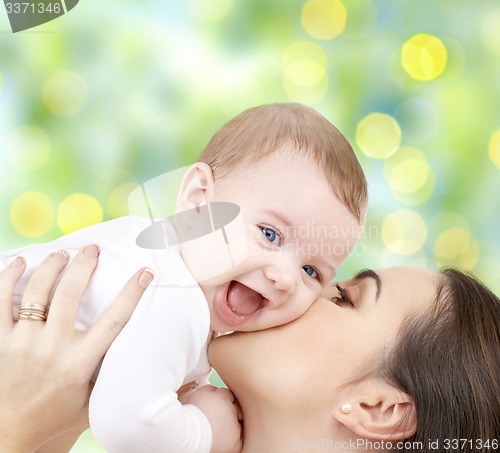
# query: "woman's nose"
[329,291]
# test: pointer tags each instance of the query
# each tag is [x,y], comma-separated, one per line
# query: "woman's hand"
[46,366]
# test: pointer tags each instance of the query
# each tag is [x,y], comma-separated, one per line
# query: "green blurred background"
[117,92]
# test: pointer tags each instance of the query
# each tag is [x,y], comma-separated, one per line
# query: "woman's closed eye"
[342,298]
[272,235]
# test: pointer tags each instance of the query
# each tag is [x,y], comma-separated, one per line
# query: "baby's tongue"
[243,300]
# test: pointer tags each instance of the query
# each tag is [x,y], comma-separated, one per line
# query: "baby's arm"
[115,237]
[134,406]
[221,409]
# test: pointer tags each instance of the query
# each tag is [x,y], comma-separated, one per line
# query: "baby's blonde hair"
[262,130]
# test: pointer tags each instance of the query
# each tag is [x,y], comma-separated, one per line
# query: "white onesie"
[134,406]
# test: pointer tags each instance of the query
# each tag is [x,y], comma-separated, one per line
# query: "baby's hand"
[221,409]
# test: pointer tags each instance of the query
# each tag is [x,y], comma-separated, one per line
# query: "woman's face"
[305,362]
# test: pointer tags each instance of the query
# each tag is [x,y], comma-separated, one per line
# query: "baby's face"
[294,235]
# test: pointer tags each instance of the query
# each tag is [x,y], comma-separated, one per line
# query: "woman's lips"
[240,303]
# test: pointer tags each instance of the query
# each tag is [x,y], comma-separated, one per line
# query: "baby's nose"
[282,278]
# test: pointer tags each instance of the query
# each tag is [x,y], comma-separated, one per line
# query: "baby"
[263,220]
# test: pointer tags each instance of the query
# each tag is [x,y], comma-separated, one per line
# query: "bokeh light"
[305,73]
[456,247]
[424,57]
[32,214]
[494,148]
[28,148]
[65,93]
[404,232]
[410,176]
[305,67]
[324,19]
[451,243]
[378,135]
[470,256]
[78,211]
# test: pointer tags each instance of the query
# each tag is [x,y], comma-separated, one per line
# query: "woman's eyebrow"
[370,273]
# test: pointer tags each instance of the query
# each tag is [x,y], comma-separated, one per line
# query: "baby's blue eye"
[309,270]
[272,236]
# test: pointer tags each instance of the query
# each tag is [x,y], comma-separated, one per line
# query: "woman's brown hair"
[449,363]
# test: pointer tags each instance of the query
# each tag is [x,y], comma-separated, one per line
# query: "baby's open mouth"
[242,300]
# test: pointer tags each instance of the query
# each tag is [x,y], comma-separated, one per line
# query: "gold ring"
[32,311]
[32,315]
[35,307]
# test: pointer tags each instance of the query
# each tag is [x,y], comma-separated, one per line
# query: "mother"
[399,359]
[390,356]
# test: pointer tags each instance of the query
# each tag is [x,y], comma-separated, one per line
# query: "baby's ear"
[376,410]
[196,187]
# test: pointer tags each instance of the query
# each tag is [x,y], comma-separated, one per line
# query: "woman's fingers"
[66,300]
[62,357]
[40,284]
[8,279]
[102,333]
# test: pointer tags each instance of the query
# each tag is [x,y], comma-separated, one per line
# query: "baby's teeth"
[235,312]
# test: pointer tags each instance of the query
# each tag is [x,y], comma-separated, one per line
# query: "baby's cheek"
[306,301]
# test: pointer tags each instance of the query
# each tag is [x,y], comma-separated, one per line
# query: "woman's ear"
[377,410]
[197,187]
